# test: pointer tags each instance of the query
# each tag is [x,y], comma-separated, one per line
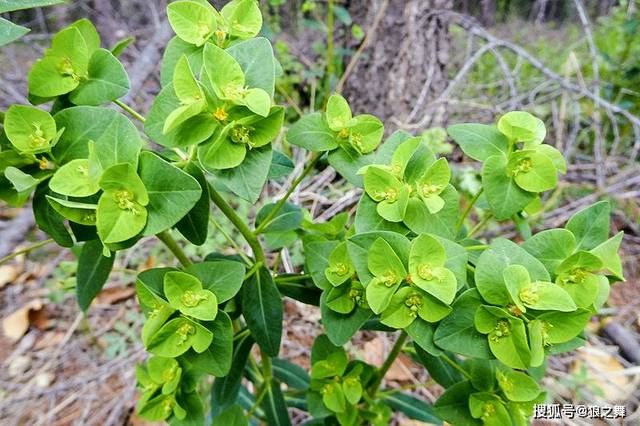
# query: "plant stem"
[267,374]
[252,271]
[480,225]
[173,246]
[478,247]
[242,227]
[274,211]
[382,371]
[456,366]
[522,226]
[230,240]
[330,28]
[26,250]
[130,110]
[291,278]
[467,210]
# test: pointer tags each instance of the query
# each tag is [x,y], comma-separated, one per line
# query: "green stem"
[467,210]
[522,226]
[382,371]
[480,225]
[456,366]
[267,374]
[130,110]
[330,28]
[230,240]
[252,271]
[173,246]
[26,250]
[274,211]
[478,247]
[292,278]
[242,227]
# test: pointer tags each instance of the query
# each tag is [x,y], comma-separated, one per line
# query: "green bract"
[29,129]
[76,64]
[411,259]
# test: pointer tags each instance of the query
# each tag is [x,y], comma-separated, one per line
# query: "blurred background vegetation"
[420,65]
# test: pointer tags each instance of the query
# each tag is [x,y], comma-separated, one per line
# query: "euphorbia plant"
[482,315]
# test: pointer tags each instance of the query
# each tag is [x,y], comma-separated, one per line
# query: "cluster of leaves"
[405,261]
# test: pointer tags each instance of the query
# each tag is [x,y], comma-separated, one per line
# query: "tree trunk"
[404,66]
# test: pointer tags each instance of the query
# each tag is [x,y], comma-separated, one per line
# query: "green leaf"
[367,218]
[341,328]
[438,368]
[443,223]
[193,131]
[388,270]
[482,373]
[257,61]
[93,272]
[48,219]
[504,196]
[177,336]
[74,180]
[186,87]
[89,34]
[107,80]
[347,162]
[421,332]
[551,247]
[560,327]
[243,17]
[29,129]
[172,192]
[358,246]
[274,406]
[195,225]
[116,138]
[121,45]
[81,213]
[232,416]
[590,225]
[507,336]
[119,218]
[64,64]
[224,73]
[532,171]
[10,32]
[388,191]
[182,114]
[123,177]
[174,50]
[316,255]
[312,133]
[457,332]
[288,218]
[552,154]
[338,114]
[489,408]
[21,181]
[492,262]
[262,309]
[247,180]
[292,375]
[333,397]
[608,253]
[185,293]
[194,22]
[224,391]
[479,141]
[520,126]
[281,166]
[340,268]
[412,407]
[426,262]
[222,277]
[365,133]
[217,358]
[453,406]
[517,386]
[12,5]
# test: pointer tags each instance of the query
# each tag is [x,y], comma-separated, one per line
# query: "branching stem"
[274,211]
[242,227]
[130,111]
[456,366]
[467,210]
[26,250]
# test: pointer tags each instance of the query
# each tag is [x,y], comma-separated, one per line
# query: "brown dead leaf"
[113,295]
[8,273]
[16,324]
[605,371]
[374,352]
[399,370]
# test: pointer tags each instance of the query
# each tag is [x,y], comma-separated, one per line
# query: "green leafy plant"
[482,315]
